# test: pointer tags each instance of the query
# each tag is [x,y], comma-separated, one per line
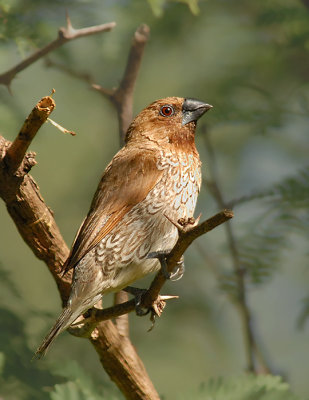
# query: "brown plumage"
[157,172]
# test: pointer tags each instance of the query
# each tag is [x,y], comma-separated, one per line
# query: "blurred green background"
[250,61]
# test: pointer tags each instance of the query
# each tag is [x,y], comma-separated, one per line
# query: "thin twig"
[252,349]
[64,35]
[122,96]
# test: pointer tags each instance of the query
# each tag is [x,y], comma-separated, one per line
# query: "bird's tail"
[64,321]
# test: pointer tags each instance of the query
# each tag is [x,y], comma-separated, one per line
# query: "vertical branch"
[251,347]
[122,322]
[122,97]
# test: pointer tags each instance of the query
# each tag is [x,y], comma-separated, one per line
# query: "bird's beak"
[193,109]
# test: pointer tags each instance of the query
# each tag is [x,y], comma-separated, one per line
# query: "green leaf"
[157,7]
[247,387]
[2,362]
[80,385]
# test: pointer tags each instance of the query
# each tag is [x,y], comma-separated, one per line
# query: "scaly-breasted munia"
[156,173]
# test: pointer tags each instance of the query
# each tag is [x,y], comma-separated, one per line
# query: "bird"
[156,174]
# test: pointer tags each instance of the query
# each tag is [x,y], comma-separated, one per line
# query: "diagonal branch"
[17,150]
[64,35]
[187,234]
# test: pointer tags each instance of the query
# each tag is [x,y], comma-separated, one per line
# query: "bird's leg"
[178,270]
[138,294]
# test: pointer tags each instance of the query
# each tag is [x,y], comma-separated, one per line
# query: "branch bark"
[64,35]
[35,222]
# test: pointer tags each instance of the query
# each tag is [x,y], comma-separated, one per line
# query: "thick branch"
[37,226]
[122,321]
[33,219]
[64,35]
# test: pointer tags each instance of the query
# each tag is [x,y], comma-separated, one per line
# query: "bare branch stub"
[17,150]
[64,35]
[33,219]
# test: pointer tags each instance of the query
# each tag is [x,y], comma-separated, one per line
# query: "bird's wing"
[126,182]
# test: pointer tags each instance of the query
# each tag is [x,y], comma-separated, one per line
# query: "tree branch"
[121,97]
[241,301]
[64,35]
[36,224]
[187,234]
[17,150]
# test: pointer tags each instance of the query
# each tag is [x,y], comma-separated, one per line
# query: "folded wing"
[126,181]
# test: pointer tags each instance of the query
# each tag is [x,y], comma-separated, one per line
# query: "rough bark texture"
[35,222]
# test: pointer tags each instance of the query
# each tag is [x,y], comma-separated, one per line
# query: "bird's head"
[168,121]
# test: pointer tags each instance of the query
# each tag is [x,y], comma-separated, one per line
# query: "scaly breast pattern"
[144,228]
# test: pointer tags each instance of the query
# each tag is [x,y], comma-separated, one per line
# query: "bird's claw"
[138,294]
[156,308]
[178,270]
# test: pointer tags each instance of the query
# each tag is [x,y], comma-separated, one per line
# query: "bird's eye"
[167,110]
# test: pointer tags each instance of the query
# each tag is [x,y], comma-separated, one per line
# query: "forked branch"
[122,96]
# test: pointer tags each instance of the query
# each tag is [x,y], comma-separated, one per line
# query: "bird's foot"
[138,294]
[178,270]
[156,308]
